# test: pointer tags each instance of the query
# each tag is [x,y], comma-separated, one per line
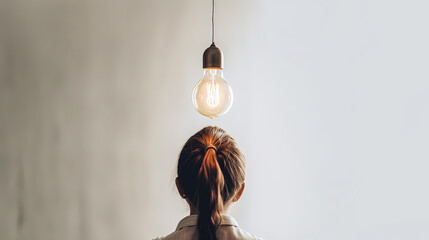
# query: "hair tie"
[213,147]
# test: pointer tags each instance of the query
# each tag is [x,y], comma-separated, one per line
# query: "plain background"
[330,109]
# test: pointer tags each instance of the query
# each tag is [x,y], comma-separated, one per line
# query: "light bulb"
[212,96]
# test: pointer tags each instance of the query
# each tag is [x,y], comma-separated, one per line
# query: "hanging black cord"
[213,5]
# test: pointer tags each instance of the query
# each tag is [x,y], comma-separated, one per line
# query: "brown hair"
[210,171]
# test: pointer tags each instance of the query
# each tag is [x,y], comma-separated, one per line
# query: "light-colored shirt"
[228,230]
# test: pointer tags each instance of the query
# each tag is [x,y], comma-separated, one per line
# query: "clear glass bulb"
[212,96]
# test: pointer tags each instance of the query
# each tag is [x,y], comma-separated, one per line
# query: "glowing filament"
[213,94]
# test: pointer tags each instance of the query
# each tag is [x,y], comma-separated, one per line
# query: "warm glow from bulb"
[212,96]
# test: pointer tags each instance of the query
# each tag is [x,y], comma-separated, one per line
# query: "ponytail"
[209,198]
[210,170]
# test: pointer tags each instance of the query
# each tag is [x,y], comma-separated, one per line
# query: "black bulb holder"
[213,57]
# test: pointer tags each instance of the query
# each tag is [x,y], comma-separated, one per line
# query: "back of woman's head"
[210,171]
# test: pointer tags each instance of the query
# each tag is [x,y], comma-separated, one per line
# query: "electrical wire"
[213,6]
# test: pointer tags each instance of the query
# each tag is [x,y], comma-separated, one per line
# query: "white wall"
[331,110]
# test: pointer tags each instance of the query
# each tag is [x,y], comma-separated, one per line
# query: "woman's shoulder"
[235,232]
[173,236]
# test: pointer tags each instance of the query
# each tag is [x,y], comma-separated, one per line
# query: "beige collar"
[191,220]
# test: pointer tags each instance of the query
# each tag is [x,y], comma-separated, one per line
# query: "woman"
[210,177]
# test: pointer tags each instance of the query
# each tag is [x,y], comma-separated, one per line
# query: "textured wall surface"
[331,110]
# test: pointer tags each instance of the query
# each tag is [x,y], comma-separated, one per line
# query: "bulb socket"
[213,57]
